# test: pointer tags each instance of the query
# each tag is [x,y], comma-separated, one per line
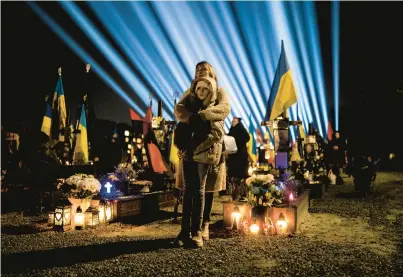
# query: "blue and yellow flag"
[47,119]
[173,153]
[251,145]
[81,150]
[301,131]
[282,93]
[61,102]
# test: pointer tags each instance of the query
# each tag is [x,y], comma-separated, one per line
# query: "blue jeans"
[195,175]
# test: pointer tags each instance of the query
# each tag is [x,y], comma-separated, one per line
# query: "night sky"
[371,67]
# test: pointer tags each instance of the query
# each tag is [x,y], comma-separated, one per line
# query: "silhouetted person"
[336,156]
[238,162]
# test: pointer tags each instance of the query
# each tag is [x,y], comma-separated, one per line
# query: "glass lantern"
[51,218]
[79,219]
[254,227]
[105,211]
[62,217]
[250,170]
[281,225]
[268,227]
[236,218]
[91,217]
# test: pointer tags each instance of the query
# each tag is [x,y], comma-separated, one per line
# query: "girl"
[202,163]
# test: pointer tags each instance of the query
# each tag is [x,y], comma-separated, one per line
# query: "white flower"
[74,180]
[91,184]
[270,178]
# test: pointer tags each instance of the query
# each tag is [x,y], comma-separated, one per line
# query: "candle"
[254,228]
[235,216]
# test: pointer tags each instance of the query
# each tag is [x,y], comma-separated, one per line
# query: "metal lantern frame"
[91,217]
[105,211]
[79,213]
[51,217]
[62,216]
[281,225]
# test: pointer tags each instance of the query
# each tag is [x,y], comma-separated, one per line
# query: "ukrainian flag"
[173,153]
[61,102]
[81,150]
[301,131]
[47,119]
[251,145]
[302,135]
[282,93]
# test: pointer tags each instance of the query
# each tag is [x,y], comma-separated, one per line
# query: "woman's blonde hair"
[205,65]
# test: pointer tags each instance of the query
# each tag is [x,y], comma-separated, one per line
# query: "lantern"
[91,216]
[245,226]
[62,217]
[291,198]
[235,218]
[254,228]
[281,225]
[126,139]
[269,226]
[234,210]
[51,218]
[250,171]
[105,211]
[127,133]
[79,219]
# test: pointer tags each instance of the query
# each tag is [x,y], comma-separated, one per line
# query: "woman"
[238,162]
[217,110]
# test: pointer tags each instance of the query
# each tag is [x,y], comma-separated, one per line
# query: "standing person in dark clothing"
[336,157]
[238,162]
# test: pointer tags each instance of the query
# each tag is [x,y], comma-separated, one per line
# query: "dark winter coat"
[336,156]
[238,162]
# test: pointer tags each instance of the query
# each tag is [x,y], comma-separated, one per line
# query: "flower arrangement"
[79,186]
[264,190]
[124,172]
[259,180]
[289,185]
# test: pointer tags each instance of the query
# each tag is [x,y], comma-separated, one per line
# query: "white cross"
[108,187]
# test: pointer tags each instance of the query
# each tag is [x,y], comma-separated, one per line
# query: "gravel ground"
[342,236]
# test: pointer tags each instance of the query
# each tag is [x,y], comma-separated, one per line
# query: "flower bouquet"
[80,186]
[263,191]
[290,185]
[125,172]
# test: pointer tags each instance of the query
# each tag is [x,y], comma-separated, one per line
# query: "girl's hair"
[205,65]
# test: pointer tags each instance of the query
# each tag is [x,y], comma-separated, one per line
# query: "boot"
[205,231]
[197,239]
[182,239]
